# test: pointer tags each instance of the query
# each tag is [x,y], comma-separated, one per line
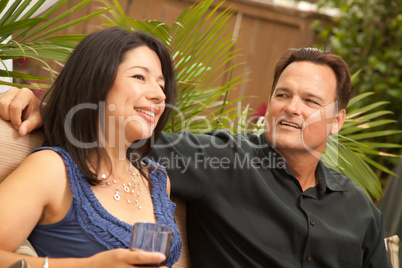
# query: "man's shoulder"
[352,190]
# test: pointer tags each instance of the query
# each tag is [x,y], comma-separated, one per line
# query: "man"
[268,201]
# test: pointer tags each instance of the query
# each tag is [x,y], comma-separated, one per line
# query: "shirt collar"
[327,179]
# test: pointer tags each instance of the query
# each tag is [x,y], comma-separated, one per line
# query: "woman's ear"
[338,122]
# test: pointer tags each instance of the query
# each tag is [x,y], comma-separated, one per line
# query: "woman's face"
[136,100]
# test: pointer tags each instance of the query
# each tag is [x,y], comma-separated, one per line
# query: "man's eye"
[137,76]
[311,101]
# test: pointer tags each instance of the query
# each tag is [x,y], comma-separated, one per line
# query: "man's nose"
[293,107]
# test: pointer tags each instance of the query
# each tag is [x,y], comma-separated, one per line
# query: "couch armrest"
[180,216]
[14,148]
[26,249]
[392,245]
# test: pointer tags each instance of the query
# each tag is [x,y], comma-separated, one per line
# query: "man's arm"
[21,107]
[195,162]
[376,254]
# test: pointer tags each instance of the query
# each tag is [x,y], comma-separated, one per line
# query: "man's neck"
[303,166]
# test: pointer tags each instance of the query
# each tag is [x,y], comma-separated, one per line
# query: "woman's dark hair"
[83,84]
[336,63]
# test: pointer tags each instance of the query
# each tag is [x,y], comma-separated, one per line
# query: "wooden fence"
[263,32]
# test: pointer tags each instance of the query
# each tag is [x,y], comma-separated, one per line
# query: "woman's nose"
[155,93]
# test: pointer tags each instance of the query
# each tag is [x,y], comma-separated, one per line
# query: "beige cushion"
[392,245]
[15,148]
[180,216]
[26,249]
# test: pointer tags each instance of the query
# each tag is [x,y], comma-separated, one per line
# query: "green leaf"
[364,126]
[8,29]
[4,73]
[74,22]
[14,16]
[364,118]
[359,111]
[380,167]
[20,85]
[9,12]
[52,9]
[359,97]
[3,4]
[374,134]
[52,48]
[33,9]
[27,15]
[382,145]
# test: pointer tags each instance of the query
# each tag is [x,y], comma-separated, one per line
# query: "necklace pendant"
[126,189]
[138,204]
[116,196]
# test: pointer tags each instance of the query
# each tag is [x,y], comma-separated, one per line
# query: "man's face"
[302,111]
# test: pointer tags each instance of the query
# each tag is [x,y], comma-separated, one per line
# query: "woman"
[78,197]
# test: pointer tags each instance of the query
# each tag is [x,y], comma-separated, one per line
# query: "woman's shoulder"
[45,161]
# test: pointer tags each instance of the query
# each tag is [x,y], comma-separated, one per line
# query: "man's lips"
[290,124]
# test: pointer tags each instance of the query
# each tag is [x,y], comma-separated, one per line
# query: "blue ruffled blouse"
[88,228]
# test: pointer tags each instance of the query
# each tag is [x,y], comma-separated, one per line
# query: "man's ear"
[338,122]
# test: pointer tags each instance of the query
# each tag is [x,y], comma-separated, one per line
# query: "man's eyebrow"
[308,94]
[283,89]
[314,96]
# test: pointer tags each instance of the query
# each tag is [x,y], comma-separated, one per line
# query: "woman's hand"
[124,258]
[21,107]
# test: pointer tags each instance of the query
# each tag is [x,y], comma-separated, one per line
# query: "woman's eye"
[137,76]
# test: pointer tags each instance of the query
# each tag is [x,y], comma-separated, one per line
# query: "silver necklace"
[128,188]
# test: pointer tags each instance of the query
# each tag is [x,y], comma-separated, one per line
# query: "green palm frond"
[349,151]
[204,54]
[25,37]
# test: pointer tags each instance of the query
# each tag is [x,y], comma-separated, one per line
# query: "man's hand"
[21,107]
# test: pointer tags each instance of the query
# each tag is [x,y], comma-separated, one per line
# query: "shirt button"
[312,222]
[309,258]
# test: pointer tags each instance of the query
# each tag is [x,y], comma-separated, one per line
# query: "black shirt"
[246,209]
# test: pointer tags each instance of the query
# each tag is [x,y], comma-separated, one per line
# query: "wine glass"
[153,237]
